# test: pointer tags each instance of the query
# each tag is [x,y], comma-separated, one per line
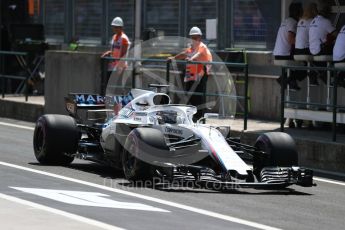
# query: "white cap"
[195,31]
[117,22]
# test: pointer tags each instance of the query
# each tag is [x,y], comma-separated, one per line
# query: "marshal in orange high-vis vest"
[119,42]
[195,72]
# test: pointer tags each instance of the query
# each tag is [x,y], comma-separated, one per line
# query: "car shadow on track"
[90,167]
[101,170]
[182,189]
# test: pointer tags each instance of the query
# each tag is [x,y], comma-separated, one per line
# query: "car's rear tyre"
[280,151]
[138,144]
[55,139]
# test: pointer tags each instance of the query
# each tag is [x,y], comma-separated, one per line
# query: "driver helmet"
[167,117]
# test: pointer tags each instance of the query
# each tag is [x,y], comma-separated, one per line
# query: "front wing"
[270,178]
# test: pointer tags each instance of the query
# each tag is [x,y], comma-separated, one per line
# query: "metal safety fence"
[331,105]
[22,58]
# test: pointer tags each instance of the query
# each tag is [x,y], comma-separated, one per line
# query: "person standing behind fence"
[322,33]
[195,79]
[285,41]
[339,54]
[339,47]
[302,33]
[302,37]
[119,46]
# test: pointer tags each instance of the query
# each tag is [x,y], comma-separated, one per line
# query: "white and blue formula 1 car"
[151,138]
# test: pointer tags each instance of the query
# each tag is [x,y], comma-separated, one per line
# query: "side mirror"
[206,116]
[224,130]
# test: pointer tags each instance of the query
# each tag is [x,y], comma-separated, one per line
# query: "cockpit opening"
[161,99]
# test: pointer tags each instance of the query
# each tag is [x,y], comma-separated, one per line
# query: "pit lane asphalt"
[320,207]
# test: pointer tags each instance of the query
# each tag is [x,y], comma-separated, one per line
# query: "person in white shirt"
[339,47]
[322,33]
[285,41]
[339,54]
[302,39]
[302,32]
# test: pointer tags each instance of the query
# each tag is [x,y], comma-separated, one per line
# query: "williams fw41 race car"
[147,137]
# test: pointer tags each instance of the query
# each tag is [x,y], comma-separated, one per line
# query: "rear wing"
[76,101]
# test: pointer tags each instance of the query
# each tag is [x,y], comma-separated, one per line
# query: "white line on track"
[148,198]
[16,126]
[61,213]
[329,181]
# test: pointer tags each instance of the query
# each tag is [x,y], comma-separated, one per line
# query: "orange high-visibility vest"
[31,7]
[117,46]
[195,72]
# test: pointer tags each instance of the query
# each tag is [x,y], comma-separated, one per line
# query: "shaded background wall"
[241,23]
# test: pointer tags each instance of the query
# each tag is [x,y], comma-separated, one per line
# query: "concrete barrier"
[20,110]
[68,72]
[322,155]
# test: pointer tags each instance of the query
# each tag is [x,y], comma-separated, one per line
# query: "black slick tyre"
[55,139]
[136,152]
[280,151]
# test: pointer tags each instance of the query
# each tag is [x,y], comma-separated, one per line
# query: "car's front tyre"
[133,168]
[280,151]
[144,147]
